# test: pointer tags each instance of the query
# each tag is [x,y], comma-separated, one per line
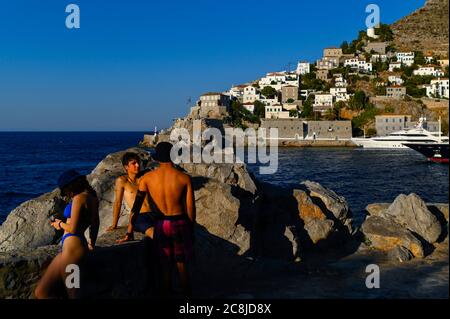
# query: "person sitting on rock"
[126,187]
[81,213]
[170,192]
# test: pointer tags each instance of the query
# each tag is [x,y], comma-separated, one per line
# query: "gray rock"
[400,253]
[232,174]
[412,212]
[336,204]
[28,226]
[385,234]
[377,209]
[319,230]
[218,213]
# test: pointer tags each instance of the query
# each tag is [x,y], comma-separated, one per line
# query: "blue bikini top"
[68,210]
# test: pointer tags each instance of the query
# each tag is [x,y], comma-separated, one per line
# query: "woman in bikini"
[81,213]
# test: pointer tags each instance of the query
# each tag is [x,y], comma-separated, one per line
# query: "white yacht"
[396,139]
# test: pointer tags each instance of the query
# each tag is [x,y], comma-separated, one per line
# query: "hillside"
[426,29]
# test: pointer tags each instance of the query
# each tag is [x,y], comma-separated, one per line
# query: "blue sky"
[133,64]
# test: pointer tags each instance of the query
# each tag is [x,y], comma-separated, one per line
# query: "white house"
[303,68]
[327,63]
[406,58]
[272,78]
[237,91]
[438,88]
[360,65]
[394,65]
[306,93]
[429,70]
[276,112]
[378,58]
[269,102]
[340,94]
[339,80]
[429,59]
[250,94]
[395,80]
[322,102]
[443,63]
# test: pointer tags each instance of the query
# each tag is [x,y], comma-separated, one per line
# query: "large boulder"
[327,198]
[29,224]
[385,234]
[412,212]
[219,212]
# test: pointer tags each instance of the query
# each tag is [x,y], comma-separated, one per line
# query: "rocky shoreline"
[251,239]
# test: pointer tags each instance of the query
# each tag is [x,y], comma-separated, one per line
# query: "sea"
[32,161]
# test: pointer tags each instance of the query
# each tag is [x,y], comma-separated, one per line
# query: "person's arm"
[118,192]
[138,201]
[190,201]
[77,204]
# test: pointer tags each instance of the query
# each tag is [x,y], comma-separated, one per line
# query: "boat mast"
[439,140]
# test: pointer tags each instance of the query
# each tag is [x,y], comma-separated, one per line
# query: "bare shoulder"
[121,180]
[184,177]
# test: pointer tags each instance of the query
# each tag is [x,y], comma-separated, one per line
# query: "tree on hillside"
[385,33]
[260,109]
[358,101]
[419,58]
[269,92]
[308,107]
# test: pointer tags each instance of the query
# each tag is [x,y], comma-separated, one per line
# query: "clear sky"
[134,64]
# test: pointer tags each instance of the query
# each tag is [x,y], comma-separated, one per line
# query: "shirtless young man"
[170,192]
[126,188]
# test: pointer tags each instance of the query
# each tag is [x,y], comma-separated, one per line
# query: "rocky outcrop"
[385,234]
[29,224]
[425,29]
[412,212]
[405,228]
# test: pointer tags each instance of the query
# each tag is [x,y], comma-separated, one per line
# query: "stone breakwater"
[150,141]
[247,232]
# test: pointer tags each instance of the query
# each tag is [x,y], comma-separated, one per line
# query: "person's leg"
[185,281]
[46,288]
[149,232]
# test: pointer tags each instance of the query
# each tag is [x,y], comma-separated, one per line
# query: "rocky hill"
[426,29]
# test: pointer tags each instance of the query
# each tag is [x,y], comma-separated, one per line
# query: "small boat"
[437,152]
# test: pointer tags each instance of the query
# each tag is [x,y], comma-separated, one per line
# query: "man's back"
[168,188]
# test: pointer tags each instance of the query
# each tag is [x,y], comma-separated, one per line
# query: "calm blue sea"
[32,163]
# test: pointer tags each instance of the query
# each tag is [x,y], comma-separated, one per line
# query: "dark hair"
[78,186]
[128,157]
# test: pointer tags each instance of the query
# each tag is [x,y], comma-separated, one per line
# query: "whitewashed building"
[323,102]
[429,70]
[303,68]
[395,80]
[358,64]
[276,112]
[394,65]
[327,63]
[250,95]
[406,58]
[339,80]
[438,88]
[340,94]
[378,58]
